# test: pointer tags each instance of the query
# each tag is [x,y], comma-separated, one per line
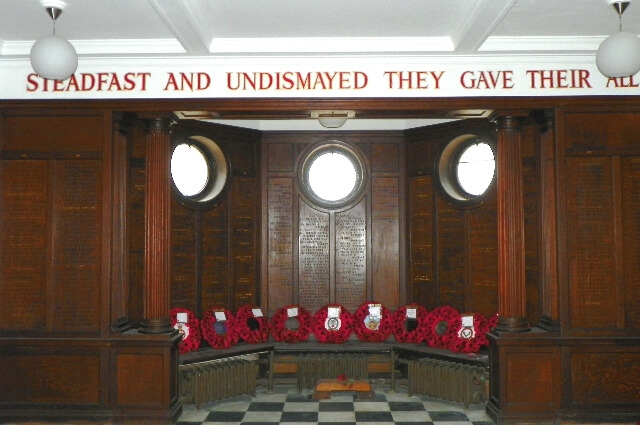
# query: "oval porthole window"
[199,171]
[332,175]
[466,169]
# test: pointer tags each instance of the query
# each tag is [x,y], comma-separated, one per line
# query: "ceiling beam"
[480,24]
[183,22]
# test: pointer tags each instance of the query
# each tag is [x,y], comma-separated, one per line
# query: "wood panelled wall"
[214,251]
[313,256]
[453,249]
[601,155]
[51,224]
[62,289]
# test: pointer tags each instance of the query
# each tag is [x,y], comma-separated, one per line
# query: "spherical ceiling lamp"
[619,54]
[53,57]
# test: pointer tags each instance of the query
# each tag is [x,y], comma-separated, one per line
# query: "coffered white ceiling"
[111,29]
[271,27]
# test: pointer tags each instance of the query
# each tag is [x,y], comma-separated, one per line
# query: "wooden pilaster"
[157,228]
[511,261]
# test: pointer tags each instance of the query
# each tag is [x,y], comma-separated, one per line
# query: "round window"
[466,169]
[199,171]
[190,169]
[475,168]
[332,175]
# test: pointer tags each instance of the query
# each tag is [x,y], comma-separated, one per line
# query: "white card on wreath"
[333,311]
[467,321]
[412,313]
[220,315]
[375,310]
[256,312]
[292,312]
[182,317]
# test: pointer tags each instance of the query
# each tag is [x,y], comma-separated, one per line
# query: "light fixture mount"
[332,118]
[53,8]
[619,6]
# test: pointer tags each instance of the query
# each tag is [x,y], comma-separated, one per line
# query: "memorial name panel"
[313,258]
[24,245]
[591,249]
[385,241]
[243,241]
[631,239]
[452,254]
[280,242]
[215,257]
[183,256]
[351,256]
[77,247]
[421,268]
[483,247]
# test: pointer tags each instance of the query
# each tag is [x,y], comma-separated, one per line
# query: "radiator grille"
[312,367]
[217,379]
[452,381]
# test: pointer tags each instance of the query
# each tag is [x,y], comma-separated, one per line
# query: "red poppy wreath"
[372,322]
[218,328]
[188,325]
[471,334]
[251,325]
[291,324]
[442,323]
[410,324]
[332,324]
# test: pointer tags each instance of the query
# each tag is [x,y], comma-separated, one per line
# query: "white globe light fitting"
[53,57]
[619,54]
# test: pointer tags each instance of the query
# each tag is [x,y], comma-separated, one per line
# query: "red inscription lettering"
[86,82]
[487,80]
[622,82]
[413,80]
[559,79]
[192,81]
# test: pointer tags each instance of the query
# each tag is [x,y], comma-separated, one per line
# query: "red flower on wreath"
[252,328]
[332,330]
[493,321]
[442,323]
[369,328]
[282,333]
[219,333]
[406,330]
[190,330]
[468,341]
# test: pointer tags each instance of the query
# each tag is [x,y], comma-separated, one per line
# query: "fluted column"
[511,254]
[157,225]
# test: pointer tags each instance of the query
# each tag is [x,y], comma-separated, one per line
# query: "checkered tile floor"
[288,406]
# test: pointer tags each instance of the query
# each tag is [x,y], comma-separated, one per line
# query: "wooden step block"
[325,387]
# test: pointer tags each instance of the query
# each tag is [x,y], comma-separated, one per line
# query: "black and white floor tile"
[286,405]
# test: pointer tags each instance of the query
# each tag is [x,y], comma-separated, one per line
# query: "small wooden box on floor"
[327,386]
